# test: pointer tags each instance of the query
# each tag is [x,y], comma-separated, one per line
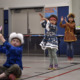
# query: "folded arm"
[71,25]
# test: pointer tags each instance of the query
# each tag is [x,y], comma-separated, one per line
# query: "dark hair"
[72,21]
[54,17]
[74,28]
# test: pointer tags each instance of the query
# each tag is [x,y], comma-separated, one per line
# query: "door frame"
[13,8]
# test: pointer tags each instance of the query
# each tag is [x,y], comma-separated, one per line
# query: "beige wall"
[26,19]
[6,4]
[1,18]
[76,11]
[28,3]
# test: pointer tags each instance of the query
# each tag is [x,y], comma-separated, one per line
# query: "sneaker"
[12,77]
[70,59]
[56,66]
[50,67]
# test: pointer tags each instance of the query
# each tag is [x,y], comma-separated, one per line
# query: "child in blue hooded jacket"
[12,68]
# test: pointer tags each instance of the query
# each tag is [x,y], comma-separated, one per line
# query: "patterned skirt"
[49,41]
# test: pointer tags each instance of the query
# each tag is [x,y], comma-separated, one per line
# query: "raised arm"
[5,43]
[62,25]
[42,18]
[2,38]
[71,25]
[2,47]
[43,21]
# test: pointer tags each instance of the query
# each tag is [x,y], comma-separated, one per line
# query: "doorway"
[27,22]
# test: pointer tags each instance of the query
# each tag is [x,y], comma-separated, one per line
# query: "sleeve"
[43,23]
[71,25]
[47,26]
[2,49]
[62,25]
[7,45]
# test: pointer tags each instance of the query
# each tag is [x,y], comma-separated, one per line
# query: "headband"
[53,18]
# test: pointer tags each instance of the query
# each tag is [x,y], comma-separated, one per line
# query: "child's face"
[70,19]
[15,42]
[52,21]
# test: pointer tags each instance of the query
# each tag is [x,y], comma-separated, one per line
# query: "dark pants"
[70,51]
[14,69]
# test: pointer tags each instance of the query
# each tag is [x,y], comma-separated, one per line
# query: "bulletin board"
[50,11]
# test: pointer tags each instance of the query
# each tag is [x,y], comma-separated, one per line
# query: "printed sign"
[50,11]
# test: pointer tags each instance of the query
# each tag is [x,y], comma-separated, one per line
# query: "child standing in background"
[12,68]
[50,42]
[69,36]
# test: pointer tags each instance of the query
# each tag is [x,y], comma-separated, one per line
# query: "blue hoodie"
[14,54]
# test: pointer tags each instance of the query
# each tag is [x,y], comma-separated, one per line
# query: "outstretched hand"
[42,18]
[2,38]
[41,15]
[65,20]
[0,28]
[62,18]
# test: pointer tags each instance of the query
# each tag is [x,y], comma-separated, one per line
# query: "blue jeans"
[70,51]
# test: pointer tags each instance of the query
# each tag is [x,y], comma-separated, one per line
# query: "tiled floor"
[36,68]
